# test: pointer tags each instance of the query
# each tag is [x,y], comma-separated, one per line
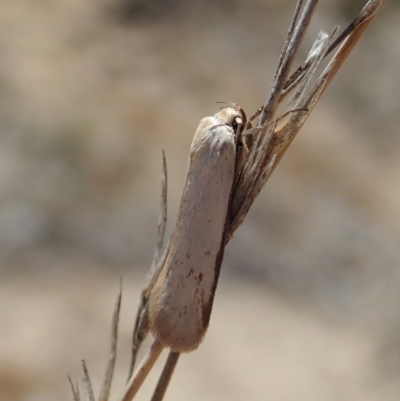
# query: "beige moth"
[182,297]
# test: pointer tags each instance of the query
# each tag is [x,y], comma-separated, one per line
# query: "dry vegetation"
[308,304]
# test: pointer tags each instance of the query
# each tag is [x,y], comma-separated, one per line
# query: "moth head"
[234,117]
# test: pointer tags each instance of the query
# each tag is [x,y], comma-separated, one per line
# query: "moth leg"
[241,156]
[253,117]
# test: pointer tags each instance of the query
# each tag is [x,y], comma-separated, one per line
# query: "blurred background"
[308,304]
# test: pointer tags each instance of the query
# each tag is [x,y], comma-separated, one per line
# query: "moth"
[181,299]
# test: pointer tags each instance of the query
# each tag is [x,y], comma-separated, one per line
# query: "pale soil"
[259,345]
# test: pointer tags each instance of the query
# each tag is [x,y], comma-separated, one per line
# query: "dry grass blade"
[141,328]
[349,37]
[166,376]
[75,390]
[87,385]
[273,134]
[293,41]
[137,379]
[162,221]
[106,387]
[359,25]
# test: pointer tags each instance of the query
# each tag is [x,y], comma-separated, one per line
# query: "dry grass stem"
[87,384]
[166,376]
[272,139]
[106,386]
[75,390]
[162,221]
[137,379]
[141,327]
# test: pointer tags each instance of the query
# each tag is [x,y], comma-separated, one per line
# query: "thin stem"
[136,381]
[165,377]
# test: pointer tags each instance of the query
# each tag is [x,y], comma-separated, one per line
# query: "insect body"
[181,299]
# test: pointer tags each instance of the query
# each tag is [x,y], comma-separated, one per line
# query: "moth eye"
[237,124]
